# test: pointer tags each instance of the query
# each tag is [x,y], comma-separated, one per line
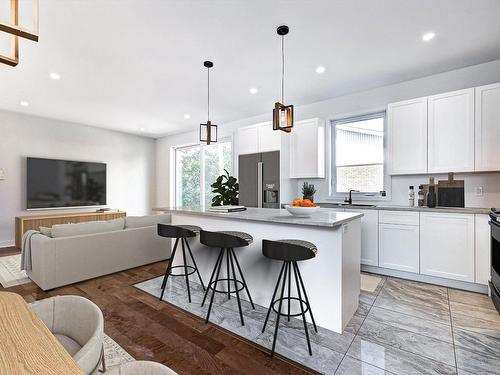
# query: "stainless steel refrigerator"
[259,179]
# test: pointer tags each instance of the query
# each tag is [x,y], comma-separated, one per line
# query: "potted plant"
[226,188]
[308,191]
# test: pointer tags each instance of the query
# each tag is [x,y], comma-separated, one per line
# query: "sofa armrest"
[43,261]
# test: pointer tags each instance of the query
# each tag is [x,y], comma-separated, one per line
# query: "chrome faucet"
[349,199]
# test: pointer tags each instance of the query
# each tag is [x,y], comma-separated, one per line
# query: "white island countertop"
[321,218]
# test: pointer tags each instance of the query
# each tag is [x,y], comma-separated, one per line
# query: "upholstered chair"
[78,325]
[141,368]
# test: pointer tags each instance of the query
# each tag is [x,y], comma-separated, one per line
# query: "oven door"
[495,262]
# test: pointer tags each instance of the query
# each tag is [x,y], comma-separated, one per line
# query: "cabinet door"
[483,249]
[487,127]
[447,245]
[369,236]
[269,139]
[307,149]
[399,247]
[407,136]
[247,140]
[451,132]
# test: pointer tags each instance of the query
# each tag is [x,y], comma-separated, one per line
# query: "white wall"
[358,103]
[130,163]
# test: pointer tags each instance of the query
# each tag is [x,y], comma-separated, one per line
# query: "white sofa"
[75,253]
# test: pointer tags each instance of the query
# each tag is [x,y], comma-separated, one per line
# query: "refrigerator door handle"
[260,186]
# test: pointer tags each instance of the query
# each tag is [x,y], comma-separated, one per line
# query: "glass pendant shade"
[283,117]
[208,133]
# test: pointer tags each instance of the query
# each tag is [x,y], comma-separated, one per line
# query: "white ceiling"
[132,64]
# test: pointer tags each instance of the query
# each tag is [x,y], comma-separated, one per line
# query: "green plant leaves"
[227,188]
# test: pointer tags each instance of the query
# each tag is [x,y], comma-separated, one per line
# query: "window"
[359,154]
[196,168]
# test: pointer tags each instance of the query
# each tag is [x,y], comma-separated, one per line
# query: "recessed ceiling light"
[142,129]
[428,36]
[253,90]
[187,116]
[55,76]
[320,69]
[24,103]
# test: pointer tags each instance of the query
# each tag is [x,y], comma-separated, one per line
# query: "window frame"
[202,169]
[346,119]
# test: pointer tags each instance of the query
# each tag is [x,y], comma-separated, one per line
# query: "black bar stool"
[290,252]
[226,241]
[182,232]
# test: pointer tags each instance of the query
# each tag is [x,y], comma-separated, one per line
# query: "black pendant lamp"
[208,131]
[282,114]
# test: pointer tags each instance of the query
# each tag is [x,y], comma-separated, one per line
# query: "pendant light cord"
[282,69]
[208,94]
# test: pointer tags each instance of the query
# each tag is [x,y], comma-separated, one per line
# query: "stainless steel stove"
[495,257]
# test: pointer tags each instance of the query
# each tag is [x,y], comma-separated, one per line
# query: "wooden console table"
[27,346]
[24,223]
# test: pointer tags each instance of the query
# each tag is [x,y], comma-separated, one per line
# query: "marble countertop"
[462,210]
[321,218]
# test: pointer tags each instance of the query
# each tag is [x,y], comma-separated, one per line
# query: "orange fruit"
[297,202]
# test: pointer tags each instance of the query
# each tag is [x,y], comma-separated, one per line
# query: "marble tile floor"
[403,327]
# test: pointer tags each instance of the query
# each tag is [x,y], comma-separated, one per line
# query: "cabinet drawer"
[399,217]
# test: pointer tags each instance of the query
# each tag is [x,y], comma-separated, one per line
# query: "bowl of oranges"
[302,207]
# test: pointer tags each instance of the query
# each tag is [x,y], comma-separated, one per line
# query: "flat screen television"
[64,183]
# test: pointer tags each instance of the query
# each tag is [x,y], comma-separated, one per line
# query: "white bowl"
[301,211]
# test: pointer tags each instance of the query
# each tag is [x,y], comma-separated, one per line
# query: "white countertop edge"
[323,218]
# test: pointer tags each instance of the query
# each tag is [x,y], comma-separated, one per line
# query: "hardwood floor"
[152,330]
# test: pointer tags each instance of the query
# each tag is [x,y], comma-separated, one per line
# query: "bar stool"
[182,232]
[290,252]
[226,241]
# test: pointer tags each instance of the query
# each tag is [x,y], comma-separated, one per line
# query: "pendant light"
[15,31]
[283,114]
[208,131]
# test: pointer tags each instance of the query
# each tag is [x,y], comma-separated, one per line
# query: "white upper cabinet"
[247,140]
[269,139]
[447,245]
[451,132]
[307,149]
[407,136]
[487,127]
[257,138]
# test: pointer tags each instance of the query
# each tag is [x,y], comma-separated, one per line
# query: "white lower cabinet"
[399,247]
[447,245]
[483,250]
[369,236]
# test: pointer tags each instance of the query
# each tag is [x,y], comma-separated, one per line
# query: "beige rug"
[114,354]
[10,271]
[369,283]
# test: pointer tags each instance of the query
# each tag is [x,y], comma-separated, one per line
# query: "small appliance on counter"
[451,193]
[495,257]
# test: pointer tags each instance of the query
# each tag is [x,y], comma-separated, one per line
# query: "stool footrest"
[191,268]
[240,284]
[303,302]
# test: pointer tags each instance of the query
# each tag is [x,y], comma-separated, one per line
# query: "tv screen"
[62,183]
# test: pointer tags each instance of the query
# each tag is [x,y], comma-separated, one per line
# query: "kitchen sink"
[345,205]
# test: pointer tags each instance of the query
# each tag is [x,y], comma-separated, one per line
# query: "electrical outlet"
[2,174]
[479,191]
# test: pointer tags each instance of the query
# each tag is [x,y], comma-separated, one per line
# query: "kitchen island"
[332,278]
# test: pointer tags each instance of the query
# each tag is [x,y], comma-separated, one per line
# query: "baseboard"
[472,287]
[10,243]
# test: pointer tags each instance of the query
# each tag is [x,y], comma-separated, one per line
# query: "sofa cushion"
[88,227]
[146,221]
[46,231]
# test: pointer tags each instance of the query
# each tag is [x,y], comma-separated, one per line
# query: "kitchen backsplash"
[481,189]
